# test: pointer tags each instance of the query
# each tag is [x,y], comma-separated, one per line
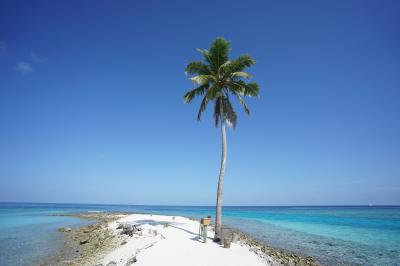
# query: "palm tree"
[217,79]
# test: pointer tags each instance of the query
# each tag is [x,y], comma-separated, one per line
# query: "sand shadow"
[154,222]
[185,230]
[200,239]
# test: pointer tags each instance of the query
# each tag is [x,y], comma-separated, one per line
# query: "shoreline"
[88,245]
[84,244]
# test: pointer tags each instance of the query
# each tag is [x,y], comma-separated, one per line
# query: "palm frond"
[198,68]
[240,74]
[217,112]
[242,103]
[213,93]
[203,79]
[203,106]
[236,87]
[219,52]
[229,114]
[241,63]
[206,55]
[225,65]
[189,96]
[252,89]
[244,89]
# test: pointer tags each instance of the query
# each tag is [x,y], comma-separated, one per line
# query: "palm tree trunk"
[218,214]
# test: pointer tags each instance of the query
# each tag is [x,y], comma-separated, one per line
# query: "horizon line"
[169,205]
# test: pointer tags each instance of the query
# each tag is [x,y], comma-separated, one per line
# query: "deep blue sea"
[335,235]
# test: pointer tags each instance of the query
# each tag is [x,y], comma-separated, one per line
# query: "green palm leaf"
[241,63]
[189,96]
[229,113]
[198,68]
[219,53]
[242,103]
[203,79]
[202,108]
[240,74]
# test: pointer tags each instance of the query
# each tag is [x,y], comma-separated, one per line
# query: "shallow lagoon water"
[335,235]
[28,235]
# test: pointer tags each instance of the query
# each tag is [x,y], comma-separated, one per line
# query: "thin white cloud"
[35,58]
[3,48]
[23,67]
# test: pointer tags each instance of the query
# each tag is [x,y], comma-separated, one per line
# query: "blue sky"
[91,106]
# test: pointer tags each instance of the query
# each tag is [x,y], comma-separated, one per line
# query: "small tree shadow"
[154,222]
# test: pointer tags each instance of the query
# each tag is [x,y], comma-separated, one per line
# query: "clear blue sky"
[91,106]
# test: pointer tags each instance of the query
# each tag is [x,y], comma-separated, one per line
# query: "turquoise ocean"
[334,235]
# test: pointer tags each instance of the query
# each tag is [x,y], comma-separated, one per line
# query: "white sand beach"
[177,244]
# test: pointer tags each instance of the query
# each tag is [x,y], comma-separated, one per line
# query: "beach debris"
[111,263]
[131,261]
[123,242]
[120,226]
[128,229]
[65,229]
[83,241]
